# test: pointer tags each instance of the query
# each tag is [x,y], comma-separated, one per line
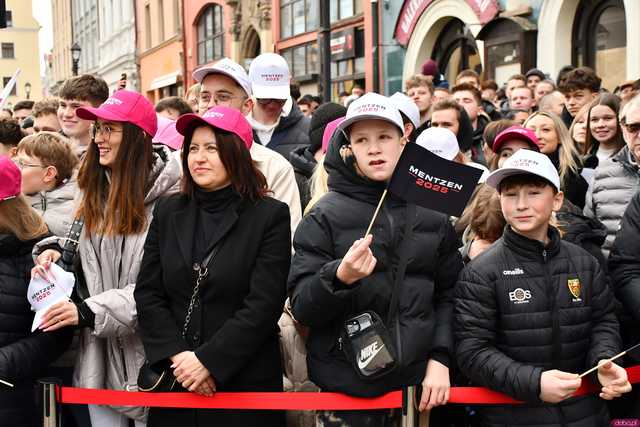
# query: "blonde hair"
[581,114]
[568,153]
[20,219]
[317,185]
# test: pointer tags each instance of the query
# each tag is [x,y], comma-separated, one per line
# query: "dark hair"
[469,88]
[489,84]
[591,144]
[10,132]
[494,128]
[8,110]
[305,100]
[467,73]
[23,105]
[294,88]
[85,88]
[45,107]
[563,73]
[580,78]
[525,179]
[344,93]
[245,177]
[174,102]
[117,207]
[511,114]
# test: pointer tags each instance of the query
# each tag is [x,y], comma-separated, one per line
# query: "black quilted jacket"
[23,355]
[521,309]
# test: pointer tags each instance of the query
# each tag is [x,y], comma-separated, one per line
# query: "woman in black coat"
[231,343]
[23,355]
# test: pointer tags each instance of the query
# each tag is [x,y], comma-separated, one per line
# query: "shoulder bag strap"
[402,264]
[70,246]
[202,269]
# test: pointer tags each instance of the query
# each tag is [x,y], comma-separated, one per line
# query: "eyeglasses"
[218,98]
[104,130]
[21,165]
[266,101]
[632,128]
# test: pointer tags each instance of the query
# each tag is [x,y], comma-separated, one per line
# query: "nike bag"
[368,345]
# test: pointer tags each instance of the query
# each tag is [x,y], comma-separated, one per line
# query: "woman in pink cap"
[215,328]
[120,179]
[24,355]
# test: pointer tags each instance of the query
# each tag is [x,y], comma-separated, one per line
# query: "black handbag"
[364,338]
[161,379]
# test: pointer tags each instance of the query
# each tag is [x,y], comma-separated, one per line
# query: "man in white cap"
[277,121]
[408,110]
[226,83]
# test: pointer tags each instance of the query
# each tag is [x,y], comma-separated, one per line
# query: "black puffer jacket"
[588,233]
[624,267]
[23,355]
[422,329]
[509,330]
[291,133]
[304,163]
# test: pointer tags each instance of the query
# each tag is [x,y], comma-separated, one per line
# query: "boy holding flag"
[534,311]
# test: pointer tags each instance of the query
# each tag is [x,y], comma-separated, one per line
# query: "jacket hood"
[165,175]
[343,177]
[303,161]
[465,132]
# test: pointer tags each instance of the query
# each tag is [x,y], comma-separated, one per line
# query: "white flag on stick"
[6,91]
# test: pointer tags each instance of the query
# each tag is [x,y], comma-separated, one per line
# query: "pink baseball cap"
[167,134]
[516,132]
[329,129]
[10,179]
[220,117]
[124,106]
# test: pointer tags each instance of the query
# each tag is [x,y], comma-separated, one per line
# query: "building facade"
[499,38]
[19,49]
[85,32]
[61,65]
[159,42]
[117,43]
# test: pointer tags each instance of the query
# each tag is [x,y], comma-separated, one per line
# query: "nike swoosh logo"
[363,363]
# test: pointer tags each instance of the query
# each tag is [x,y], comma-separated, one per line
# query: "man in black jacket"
[276,119]
[533,311]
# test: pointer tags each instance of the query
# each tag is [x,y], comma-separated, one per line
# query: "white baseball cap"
[372,106]
[439,141]
[269,76]
[526,161]
[228,68]
[407,107]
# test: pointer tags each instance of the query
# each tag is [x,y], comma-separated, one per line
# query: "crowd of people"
[218,244]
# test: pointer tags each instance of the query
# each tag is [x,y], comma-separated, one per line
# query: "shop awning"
[166,80]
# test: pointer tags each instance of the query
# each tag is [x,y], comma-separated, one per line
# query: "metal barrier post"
[48,395]
[408,408]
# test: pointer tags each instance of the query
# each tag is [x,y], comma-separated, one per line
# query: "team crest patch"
[575,288]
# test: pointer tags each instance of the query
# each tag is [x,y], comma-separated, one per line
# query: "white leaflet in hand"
[43,294]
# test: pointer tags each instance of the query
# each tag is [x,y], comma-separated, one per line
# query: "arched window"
[600,39]
[455,50]
[210,34]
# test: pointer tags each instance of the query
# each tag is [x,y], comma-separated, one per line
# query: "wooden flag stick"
[609,360]
[8,384]
[384,194]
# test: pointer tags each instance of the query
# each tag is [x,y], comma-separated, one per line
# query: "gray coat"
[111,353]
[615,182]
[57,206]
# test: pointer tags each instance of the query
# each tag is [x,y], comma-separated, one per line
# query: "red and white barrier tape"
[290,401]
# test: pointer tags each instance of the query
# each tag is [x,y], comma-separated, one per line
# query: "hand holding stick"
[617,356]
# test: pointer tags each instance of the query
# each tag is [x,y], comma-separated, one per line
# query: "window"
[600,39]
[210,35]
[5,81]
[9,19]
[161,21]
[302,60]
[298,16]
[8,51]
[342,9]
[147,26]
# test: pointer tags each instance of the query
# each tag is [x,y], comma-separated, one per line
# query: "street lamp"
[75,57]
[27,89]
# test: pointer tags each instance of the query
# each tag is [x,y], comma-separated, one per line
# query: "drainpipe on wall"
[324,35]
[376,40]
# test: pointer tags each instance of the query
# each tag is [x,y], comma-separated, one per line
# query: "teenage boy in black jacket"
[534,311]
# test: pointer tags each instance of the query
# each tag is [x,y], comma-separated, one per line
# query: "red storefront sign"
[412,10]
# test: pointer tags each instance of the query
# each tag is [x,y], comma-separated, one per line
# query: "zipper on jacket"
[43,199]
[555,331]
[124,362]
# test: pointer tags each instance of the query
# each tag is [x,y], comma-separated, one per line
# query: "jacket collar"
[185,223]
[532,248]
